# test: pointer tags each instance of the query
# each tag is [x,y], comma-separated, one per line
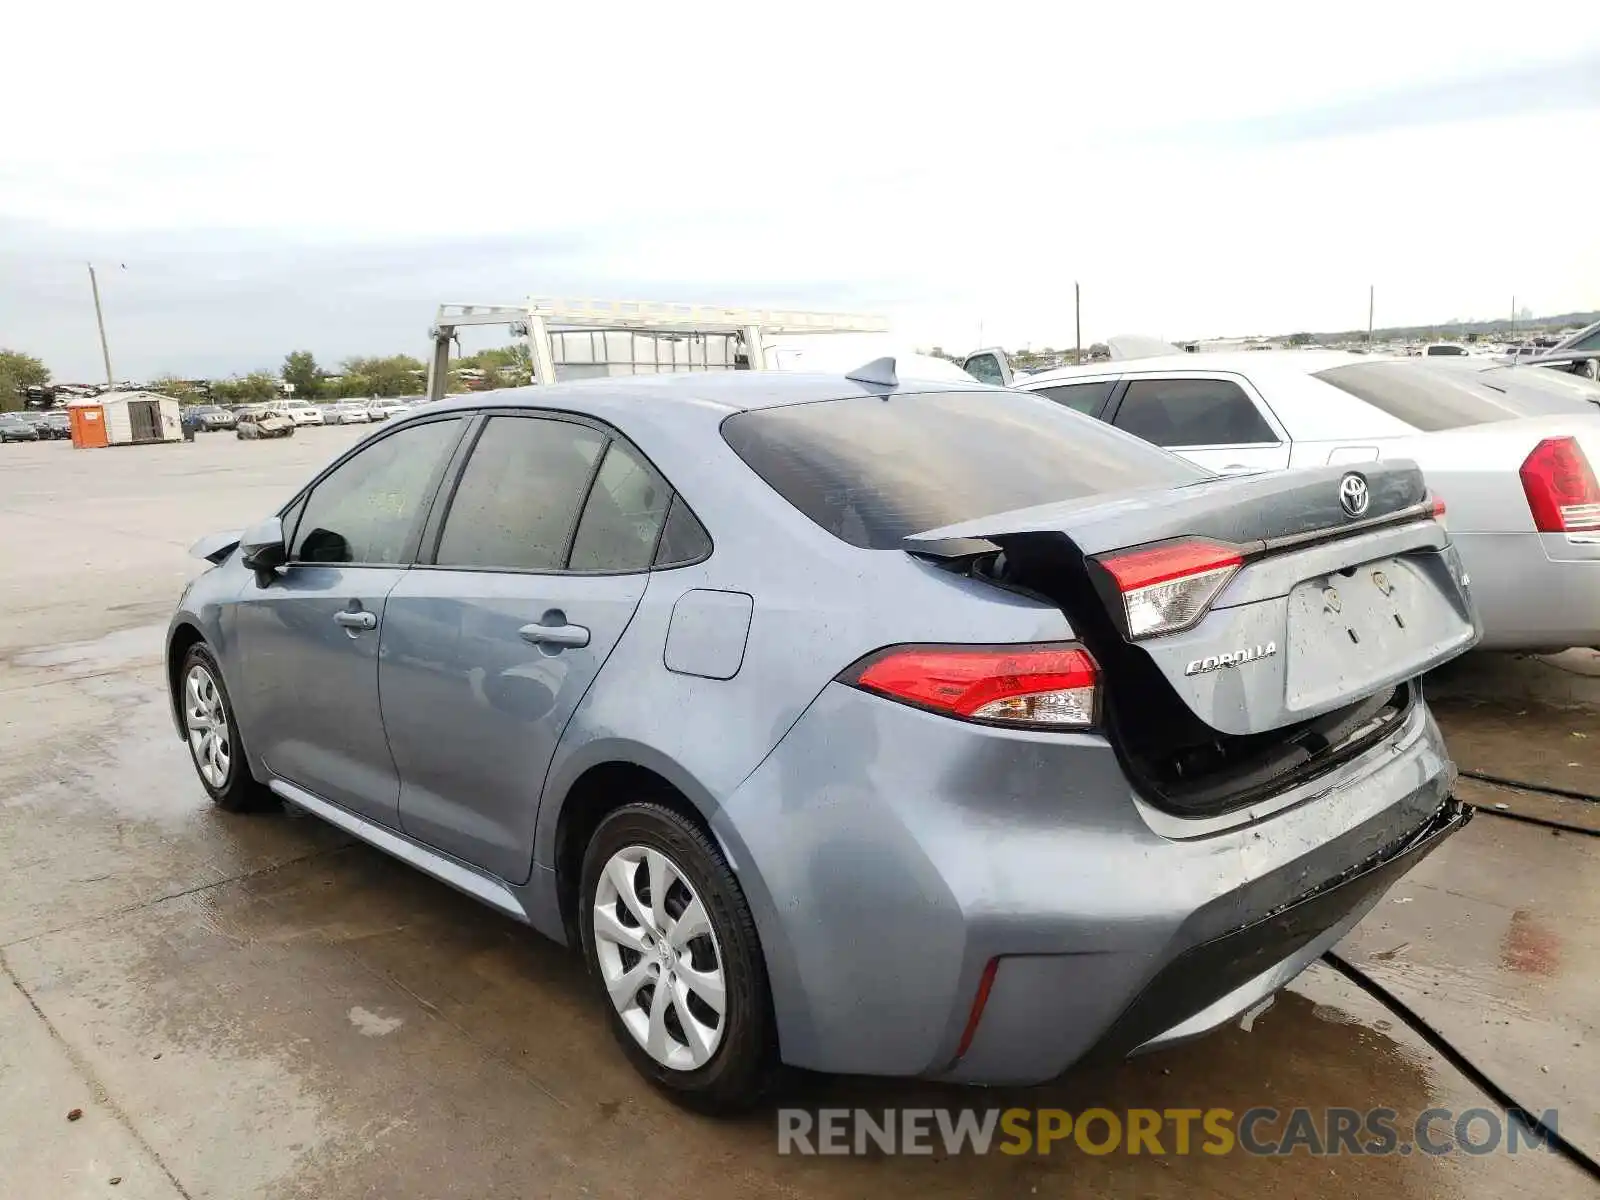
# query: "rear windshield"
[872,470]
[1423,398]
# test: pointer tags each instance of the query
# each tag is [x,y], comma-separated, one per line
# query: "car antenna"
[879,371]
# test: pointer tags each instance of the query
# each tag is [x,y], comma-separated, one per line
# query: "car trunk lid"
[1328,614]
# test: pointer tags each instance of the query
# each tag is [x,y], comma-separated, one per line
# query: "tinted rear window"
[1422,398]
[872,470]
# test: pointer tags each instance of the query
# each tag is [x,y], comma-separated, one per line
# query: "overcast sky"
[321,175]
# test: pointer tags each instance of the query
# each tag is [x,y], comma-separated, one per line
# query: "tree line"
[18,372]
[359,378]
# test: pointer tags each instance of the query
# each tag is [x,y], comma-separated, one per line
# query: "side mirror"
[261,546]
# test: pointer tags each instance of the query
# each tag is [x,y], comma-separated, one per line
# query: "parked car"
[1031,739]
[301,412]
[349,412]
[1578,354]
[383,409]
[209,418]
[1526,392]
[57,425]
[1445,350]
[1524,502]
[13,428]
[263,423]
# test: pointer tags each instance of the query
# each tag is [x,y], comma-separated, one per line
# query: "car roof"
[1243,362]
[725,391]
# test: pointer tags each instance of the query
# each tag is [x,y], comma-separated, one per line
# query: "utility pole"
[105,350]
[1513,316]
[1077,319]
[1372,292]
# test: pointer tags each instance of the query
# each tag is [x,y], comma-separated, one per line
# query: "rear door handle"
[356,620]
[561,637]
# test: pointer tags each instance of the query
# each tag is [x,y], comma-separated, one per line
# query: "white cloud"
[315,174]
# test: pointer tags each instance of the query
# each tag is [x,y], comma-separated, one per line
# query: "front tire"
[671,944]
[212,735]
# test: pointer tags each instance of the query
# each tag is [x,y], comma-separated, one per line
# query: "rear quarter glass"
[873,469]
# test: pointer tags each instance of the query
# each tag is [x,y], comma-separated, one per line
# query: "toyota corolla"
[843,722]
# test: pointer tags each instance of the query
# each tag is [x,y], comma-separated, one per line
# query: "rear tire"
[212,735]
[697,941]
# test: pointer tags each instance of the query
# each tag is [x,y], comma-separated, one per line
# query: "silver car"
[900,729]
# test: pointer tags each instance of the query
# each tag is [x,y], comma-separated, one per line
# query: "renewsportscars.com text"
[1260,1131]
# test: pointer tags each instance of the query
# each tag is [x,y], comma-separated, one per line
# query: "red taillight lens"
[1168,588]
[1041,685]
[1561,489]
[1438,508]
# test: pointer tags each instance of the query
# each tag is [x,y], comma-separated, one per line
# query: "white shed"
[131,418]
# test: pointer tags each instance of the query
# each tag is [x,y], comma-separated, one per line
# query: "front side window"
[985,368]
[517,504]
[1192,412]
[366,510]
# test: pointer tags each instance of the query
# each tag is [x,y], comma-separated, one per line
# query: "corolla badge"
[1236,658]
[1354,497]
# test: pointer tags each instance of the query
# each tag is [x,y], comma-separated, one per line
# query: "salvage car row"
[211,418]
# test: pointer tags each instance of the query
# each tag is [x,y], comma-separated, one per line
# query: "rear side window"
[1087,398]
[872,470]
[1425,399]
[684,540]
[519,496]
[1192,412]
[623,517]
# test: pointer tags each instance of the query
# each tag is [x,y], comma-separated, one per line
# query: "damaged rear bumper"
[1209,985]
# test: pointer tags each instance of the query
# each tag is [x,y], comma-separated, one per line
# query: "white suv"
[302,412]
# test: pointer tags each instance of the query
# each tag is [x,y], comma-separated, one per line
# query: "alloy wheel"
[659,958]
[207,723]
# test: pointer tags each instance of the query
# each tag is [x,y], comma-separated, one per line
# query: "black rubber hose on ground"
[1458,1060]
[1524,786]
[1546,822]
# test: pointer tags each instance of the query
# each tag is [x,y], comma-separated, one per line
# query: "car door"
[539,561]
[308,634]
[989,366]
[1215,419]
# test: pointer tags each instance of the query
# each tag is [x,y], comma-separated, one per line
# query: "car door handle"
[356,620]
[559,636]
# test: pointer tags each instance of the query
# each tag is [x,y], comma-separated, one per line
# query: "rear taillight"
[1561,489]
[1438,507]
[1041,685]
[1168,588]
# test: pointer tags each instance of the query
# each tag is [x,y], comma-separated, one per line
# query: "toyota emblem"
[1354,497]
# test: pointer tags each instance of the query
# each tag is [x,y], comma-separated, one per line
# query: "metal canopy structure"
[539,317]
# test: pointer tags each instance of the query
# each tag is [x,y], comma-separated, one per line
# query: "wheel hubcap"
[207,723]
[659,958]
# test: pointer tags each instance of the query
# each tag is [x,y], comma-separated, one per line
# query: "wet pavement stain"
[1529,947]
[1503,933]
[1529,742]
